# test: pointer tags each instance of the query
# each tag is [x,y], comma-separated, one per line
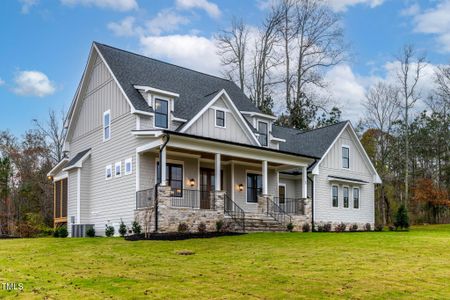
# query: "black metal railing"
[234,211]
[293,206]
[193,199]
[278,213]
[145,198]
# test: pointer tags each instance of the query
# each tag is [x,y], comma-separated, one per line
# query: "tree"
[435,198]
[333,117]
[402,218]
[411,66]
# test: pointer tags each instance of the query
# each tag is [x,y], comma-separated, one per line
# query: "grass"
[369,265]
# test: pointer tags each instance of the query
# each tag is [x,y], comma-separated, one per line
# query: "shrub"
[90,232]
[340,227]
[401,218]
[391,227]
[122,228]
[109,231]
[183,227]
[219,225]
[290,227]
[227,227]
[136,227]
[367,227]
[63,233]
[353,228]
[56,232]
[306,227]
[319,227]
[327,227]
[201,227]
[379,227]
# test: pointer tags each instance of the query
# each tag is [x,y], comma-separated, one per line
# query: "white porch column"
[264,177]
[304,182]
[217,173]
[163,163]
[138,171]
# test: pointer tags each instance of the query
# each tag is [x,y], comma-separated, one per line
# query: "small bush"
[183,227]
[109,231]
[227,227]
[201,227]
[319,227]
[391,227]
[379,227]
[290,227]
[306,227]
[327,227]
[122,228]
[367,227]
[90,232]
[56,232]
[63,233]
[340,227]
[353,228]
[136,227]
[219,225]
[401,218]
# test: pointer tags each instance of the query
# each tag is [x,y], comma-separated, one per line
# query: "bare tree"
[411,68]
[54,131]
[382,112]
[232,47]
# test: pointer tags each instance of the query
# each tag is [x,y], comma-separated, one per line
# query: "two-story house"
[136,122]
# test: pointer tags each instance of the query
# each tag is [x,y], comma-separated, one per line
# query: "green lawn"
[377,265]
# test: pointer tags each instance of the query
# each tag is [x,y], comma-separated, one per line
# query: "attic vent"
[79,230]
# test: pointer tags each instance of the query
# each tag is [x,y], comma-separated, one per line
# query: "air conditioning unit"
[79,230]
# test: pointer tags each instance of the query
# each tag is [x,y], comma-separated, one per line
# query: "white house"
[220,157]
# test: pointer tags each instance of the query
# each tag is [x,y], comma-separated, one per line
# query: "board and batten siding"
[206,126]
[71,197]
[359,169]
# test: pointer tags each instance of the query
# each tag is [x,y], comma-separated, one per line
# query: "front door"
[207,180]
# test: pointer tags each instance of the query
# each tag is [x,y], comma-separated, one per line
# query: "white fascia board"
[149,146]
[346,181]
[277,139]
[178,119]
[252,113]
[58,165]
[156,91]
[141,112]
[147,133]
[79,163]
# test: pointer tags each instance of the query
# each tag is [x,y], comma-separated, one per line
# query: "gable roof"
[77,160]
[196,89]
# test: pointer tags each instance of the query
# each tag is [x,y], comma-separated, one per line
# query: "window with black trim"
[263,133]
[355,197]
[254,187]
[174,178]
[346,197]
[335,195]
[220,118]
[345,157]
[161,113]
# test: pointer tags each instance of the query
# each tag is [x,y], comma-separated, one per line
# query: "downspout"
[167,137]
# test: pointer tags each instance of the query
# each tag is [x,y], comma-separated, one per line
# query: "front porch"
[199,185]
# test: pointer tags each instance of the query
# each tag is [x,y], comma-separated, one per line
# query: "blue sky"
[45,44]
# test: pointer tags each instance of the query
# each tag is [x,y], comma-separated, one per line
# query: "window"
[106,125]
[220,118]
[161,113]
[128,166]
[174,174]
[118,169]
[254,187]
[346,157]
[356,198]
[108,172]
[281,194]
[335,196]
[345,197]
[262,130]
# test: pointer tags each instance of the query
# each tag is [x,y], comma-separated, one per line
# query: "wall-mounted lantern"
[241,187]
[192,182]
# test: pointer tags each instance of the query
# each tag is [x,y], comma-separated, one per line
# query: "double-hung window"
[254,187]
[346,197]
[345,157]
[335,195]
[161,113]
[106,125]
[355,197]
[118,169]
[220,118]
[263,133]
[174,178]
[128,166]
[108,172]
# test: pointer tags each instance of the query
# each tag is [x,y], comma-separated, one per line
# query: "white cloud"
[343,5]
[2,82]
[119,5]
[435,21]
[191,51]
[211,8]
[166,21]
[33,83]
[410,10]
[126,27]
[27,5]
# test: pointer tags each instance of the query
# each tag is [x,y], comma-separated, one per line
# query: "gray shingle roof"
[195,88]
[313,143]
[77,158]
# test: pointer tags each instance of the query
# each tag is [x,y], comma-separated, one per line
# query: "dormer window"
[345,157]
[106,125]
[161,113]
[263,133]
[220,118]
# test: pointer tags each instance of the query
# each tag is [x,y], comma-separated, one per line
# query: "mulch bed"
[177,236]
[4,237]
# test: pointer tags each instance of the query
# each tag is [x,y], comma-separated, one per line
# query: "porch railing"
[278,213]
[293,206]
[145,198]
[234,211]
[193,199]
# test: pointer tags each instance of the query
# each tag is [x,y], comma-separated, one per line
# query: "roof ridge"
[314,129]
[164,62]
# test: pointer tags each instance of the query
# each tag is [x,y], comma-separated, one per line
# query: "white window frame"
[285,192]
[353,197]
[169,112]
[108,167]
[343,196]
[128,161]
[118,164]
[224,118]
[332,186]
[267,132]
[342,157]
[108,112]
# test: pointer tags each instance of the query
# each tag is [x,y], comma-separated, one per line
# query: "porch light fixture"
[49,177]
[241,187]
[192,182]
